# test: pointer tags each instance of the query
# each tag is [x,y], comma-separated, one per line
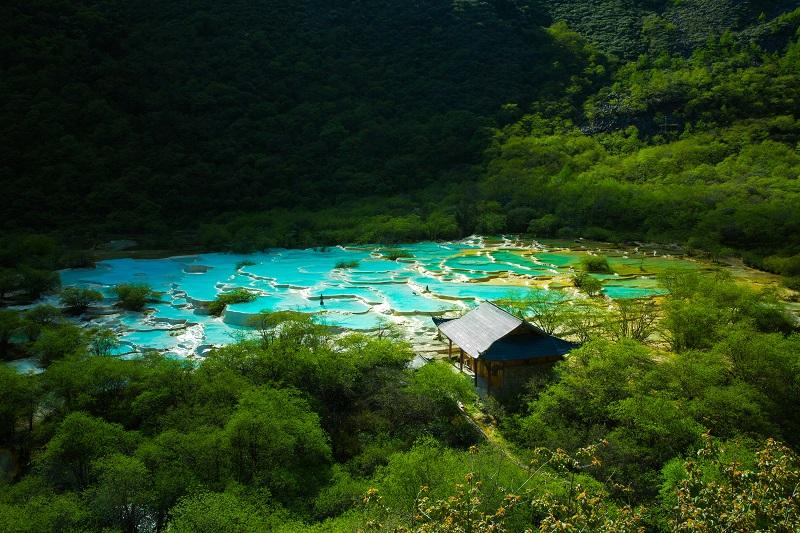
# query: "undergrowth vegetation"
[666,417]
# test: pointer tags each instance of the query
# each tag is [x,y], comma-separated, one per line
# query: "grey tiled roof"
[484,332]
[476,331]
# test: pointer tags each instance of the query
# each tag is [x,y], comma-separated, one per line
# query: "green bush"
[102,341]
[57,342]
[787,266]
[36,282]
[209,512]
[344,265]
[597,264]
[236,296]
[133,297]
[588,284]
[343,493]
[76,300]
[40,317]
[393,254]
[279,443]
[546,226]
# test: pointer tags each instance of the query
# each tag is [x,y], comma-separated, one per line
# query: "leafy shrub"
[787,266]
[102,341]
[596,263]
[79,440]
[792,283]
[57,342]
[133,297]
[78,299]
[762,494]
[40,317]
[393,254]
[236,296]
[207,512]
[546,226]
[343,493]
[36,282]
[588,284]
[343,265]
[286,326]
[595,233]
[279,443]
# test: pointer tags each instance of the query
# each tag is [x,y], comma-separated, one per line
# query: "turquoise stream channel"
[435,279]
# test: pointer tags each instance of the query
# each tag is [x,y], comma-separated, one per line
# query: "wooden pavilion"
[501,350]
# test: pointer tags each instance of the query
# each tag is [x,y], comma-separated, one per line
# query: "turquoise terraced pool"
[435,279]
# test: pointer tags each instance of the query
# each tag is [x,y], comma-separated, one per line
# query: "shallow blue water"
[439,278]
[617,292]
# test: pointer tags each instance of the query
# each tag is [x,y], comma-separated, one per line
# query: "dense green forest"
[144,113]
[243,126]
[240,126]
[667,426]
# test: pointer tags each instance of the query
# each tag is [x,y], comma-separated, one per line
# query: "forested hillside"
[627,28]
[249,125]
[131,115]
[700,149]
